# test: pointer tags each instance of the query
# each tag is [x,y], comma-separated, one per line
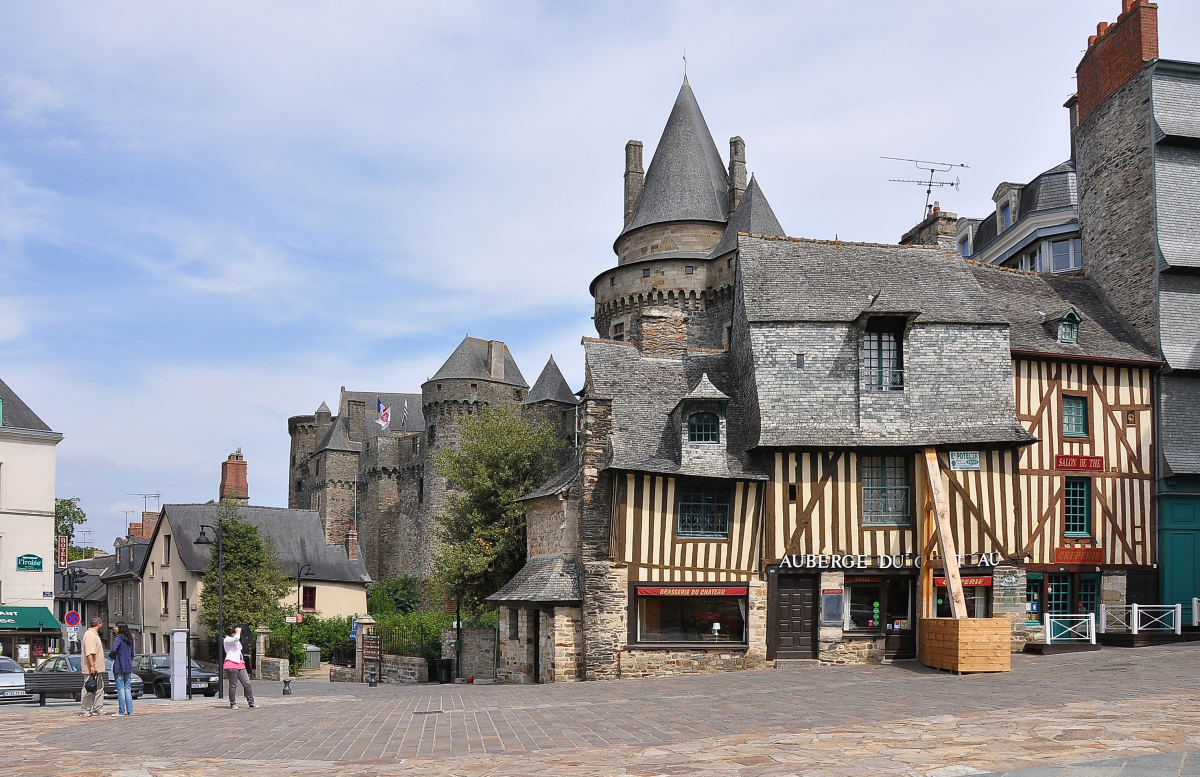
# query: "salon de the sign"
[898,561]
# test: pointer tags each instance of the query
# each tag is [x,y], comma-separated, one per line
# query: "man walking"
[93,671]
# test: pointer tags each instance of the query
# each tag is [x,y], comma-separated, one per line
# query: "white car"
[12,681]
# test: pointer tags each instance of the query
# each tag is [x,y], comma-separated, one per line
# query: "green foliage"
[287,640]
[67,515]
[394,595]
[481,544]
[432,621]
[76,553]
[254,580]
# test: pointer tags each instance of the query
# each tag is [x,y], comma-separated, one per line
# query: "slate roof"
[686,180]
[469,360]
[646,433]
[124,566]
[557,482]
[543,579]
[338,437]
[1057,187]
[298,536]
[792,279]
[1033,303]
[1179,320]
[1177,200]
[92,587]
[1180,434]
[753,217]
[1176,104]
[393,401]
[17,414]
[706,390]
[551,386]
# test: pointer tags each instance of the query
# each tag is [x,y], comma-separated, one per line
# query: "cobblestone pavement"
[900,719]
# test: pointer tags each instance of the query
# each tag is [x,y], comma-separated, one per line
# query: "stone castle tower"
[377,485]
[682,218]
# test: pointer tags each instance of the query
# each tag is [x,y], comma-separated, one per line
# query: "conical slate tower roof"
[551,386]
[753,216]
[470,360]
[686,180]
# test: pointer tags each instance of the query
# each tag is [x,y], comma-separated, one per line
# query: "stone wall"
[605,618]
[663,663]
[1008,600]
[852,650]
[404,669]
[552,526]
[478,652]
[647,241]
[274,668]
[562,653]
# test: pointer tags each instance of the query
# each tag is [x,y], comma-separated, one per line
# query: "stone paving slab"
[877,720]
[1185,763]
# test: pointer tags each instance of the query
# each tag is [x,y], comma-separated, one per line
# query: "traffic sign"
[299,617]
[72,619]
[72,629]
[289,619]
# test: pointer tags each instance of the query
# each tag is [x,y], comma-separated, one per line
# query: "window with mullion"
[881,351]
[704,427]
[1077,508]
[1075,416]
[703,510]
[885,497]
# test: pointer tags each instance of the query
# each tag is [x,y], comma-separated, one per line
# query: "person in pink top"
[235,667]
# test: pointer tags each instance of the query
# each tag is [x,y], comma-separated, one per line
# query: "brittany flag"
[385,414]
[404,419]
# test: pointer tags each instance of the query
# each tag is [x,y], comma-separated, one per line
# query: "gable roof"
[753,217]
[543,579]
[17,414]
[791,279]
[470,360]
[1030,301]
[686,180]
[551,386]
[338,437]
[297,534]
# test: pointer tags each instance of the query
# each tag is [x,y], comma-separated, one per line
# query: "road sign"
[299,617]
[290,619]
[71,619]
[72,629]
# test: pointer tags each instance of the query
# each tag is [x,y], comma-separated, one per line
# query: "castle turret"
[552,400]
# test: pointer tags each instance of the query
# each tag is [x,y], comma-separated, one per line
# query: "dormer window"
[1068,327]
[1007,216]
[704,428]
[883,354]
[965,247]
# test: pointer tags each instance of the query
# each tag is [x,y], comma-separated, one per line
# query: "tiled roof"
[1178,429]
[816,280]
[1177,197]
[543,579]
[686,180]
[1033,303]
[551,386]
[1177,105]
[393,401]
[1057,187]
[753,217]
[469,360]
[17,414]
[1179,320]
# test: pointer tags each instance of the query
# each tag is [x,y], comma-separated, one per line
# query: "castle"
[376,484]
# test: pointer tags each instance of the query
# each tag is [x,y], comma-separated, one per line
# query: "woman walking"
[235,667]
[122,658]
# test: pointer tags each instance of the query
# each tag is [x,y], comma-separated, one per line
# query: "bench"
[53,685]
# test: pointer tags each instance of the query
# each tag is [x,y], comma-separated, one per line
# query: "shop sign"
[1079,555]
[964,461]
[1084,463]
[61,550]
[862,579]
[968,582]
[898,561]
[661,591]
[372,647]
[29,563]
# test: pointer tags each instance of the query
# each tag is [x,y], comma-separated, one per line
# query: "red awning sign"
[644,590]
[1079,555]
[968,582]
[1083,463]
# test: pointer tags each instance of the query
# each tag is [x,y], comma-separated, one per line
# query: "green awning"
[26,618]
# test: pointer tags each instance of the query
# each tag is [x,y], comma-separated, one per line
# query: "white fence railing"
[1143,618]
[1066,629]
[1196,610]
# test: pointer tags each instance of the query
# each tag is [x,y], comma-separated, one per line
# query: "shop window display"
[691,618]
[977,592]
[877,604]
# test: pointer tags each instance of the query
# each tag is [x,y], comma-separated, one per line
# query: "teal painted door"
[1179,546]
[1058,600]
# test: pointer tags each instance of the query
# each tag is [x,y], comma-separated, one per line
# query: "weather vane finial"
[685,62]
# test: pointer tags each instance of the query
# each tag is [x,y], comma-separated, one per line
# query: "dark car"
[155,671]
[69,666]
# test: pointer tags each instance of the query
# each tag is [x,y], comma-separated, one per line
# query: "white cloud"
[27,100]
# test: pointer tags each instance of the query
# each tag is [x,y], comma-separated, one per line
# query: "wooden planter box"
[967,645]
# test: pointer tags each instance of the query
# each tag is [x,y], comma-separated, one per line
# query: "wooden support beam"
[941,509]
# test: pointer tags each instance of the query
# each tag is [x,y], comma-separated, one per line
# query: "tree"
[67,515]
[254,578]
[481,543]
[400,595]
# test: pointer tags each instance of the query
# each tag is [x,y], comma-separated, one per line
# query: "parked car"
[67,678]
[155,671]
[12,681]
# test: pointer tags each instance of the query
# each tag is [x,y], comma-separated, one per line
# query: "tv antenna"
[127,514]
[146,500]
[933,168]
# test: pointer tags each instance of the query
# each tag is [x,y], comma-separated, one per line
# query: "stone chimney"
[233,478]
[938,228]
[634,177]
[737,172]
[495,359]
[352,544]
[660,333]
[356,413]
[1115,54]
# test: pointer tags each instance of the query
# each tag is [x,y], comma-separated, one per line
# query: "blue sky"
[212,215]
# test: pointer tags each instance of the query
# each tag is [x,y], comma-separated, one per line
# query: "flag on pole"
[385,414]
[404,418]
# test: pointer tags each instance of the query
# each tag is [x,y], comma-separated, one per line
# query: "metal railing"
[886,504]
[1071,629]
[410,641]
[884,378]
[1196,610]
[1142,618]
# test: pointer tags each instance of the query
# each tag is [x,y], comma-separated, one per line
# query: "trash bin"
[312,658]
[445,670]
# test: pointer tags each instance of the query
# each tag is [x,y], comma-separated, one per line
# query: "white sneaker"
[233,706]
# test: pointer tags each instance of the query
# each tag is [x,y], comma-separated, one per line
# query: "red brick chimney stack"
[1116,53]
[233,478]
[352,544]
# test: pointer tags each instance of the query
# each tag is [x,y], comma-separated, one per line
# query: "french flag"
[385,414]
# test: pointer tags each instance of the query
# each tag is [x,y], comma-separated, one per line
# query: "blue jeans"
[124,695]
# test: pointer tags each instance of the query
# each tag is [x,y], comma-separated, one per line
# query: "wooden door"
[795,609]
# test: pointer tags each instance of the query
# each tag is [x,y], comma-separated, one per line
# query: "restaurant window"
[883,354]
[977,592]
[1077,507]
[885,498]
[1075,416]
[691,614]
[704,427]
[1033,597]
[703,509]
[310,598]
[877,604]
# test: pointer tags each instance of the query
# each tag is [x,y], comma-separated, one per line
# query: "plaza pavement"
[1061,715]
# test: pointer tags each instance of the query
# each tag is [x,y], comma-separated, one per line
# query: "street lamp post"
[204,540]
[306,571]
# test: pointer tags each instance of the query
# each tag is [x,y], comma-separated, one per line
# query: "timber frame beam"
[940,514]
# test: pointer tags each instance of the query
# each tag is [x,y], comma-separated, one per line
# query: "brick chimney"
[356,415]
[495,359]
[938,228]
[233,478]
[634,177]
[149,523]
[737,172]
[352,544]
[660,333]
[1115,54]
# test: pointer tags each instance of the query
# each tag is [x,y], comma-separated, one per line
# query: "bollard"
[371,683]
[287,686]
